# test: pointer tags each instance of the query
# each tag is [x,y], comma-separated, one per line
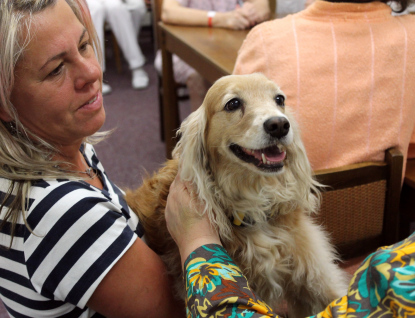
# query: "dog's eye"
[280,99]
[233,104]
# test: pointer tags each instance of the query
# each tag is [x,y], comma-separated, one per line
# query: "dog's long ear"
[191,148]
[192,153]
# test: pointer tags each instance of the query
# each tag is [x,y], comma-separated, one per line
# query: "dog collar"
[238,221]
[241,220]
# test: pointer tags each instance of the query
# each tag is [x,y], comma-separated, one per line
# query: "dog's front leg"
[316,279]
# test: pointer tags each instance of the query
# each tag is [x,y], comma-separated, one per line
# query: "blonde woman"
[70,246]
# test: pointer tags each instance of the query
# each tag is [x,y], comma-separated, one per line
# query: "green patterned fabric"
[383,286]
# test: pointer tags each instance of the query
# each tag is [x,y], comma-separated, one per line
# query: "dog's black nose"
[277,127]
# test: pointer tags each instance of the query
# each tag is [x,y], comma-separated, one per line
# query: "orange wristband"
[210,16]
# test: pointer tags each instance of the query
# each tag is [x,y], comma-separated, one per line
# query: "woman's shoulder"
[406,20]
[56,189]
[267,33]
[51,200]
[272,27]
[48,197]
[54,205]
[49,187]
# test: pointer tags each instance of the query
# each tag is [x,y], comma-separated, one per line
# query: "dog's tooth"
[264,160]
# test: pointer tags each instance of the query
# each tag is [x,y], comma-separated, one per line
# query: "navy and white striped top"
[79,233]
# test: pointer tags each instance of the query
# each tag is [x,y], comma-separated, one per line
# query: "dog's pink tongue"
[273,154]
[275,157]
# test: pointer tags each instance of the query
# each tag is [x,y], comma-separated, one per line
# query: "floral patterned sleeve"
[216,287]
[383,286]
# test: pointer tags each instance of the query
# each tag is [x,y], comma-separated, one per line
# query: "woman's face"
[57,91]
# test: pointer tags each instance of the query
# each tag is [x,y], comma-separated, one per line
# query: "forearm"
[194,244]
[208,271]
[195,17]
[174,13]
[177,14]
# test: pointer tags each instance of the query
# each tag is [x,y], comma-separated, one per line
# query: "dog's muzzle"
[271,158]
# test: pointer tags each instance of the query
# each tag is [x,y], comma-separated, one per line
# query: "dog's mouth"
[270,159]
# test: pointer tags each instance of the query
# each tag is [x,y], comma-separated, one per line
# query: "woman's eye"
[280,99]
[84,46]
[57,70]
[233,104]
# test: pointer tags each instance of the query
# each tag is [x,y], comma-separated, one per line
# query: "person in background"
[70,245]
[382,286]
[410,9]
[285,7]
[125,18]
[347,69]
[230,14]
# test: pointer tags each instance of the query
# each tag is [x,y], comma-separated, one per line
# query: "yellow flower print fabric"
[383,286]
[216,287]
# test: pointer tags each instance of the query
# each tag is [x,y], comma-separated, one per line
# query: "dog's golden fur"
[278,247]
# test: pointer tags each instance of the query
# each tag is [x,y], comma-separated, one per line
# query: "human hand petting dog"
[186,222]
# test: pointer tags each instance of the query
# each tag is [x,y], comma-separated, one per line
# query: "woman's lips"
[94,102]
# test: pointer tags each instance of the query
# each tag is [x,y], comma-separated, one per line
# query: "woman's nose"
[88,72]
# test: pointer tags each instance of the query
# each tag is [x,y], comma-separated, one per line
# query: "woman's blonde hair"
[22,159]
